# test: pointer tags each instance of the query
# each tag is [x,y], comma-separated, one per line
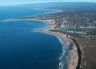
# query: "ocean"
[21,11]
[21,47]
[21,25]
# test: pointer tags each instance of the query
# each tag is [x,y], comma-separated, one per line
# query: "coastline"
[68,44]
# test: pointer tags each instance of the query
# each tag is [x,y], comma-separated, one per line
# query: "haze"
[12,2]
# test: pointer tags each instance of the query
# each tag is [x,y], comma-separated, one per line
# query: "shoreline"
[68,44]
[72,56]
[24,17]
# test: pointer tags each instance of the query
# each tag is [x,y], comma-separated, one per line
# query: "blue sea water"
[20,11]
[20,48]
[29,50]
[20,25]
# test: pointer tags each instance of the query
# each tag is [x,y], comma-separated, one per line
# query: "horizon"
[16,2]
[12,4]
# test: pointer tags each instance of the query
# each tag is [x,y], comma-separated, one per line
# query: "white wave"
[63,58]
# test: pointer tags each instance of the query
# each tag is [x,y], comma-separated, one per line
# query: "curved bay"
[21,49]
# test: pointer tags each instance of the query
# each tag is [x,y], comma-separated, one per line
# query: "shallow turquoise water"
[21,25]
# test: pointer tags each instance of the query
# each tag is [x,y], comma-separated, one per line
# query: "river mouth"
[25,49]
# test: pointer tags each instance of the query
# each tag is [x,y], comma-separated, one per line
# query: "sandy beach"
[65,39]
[69,44]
